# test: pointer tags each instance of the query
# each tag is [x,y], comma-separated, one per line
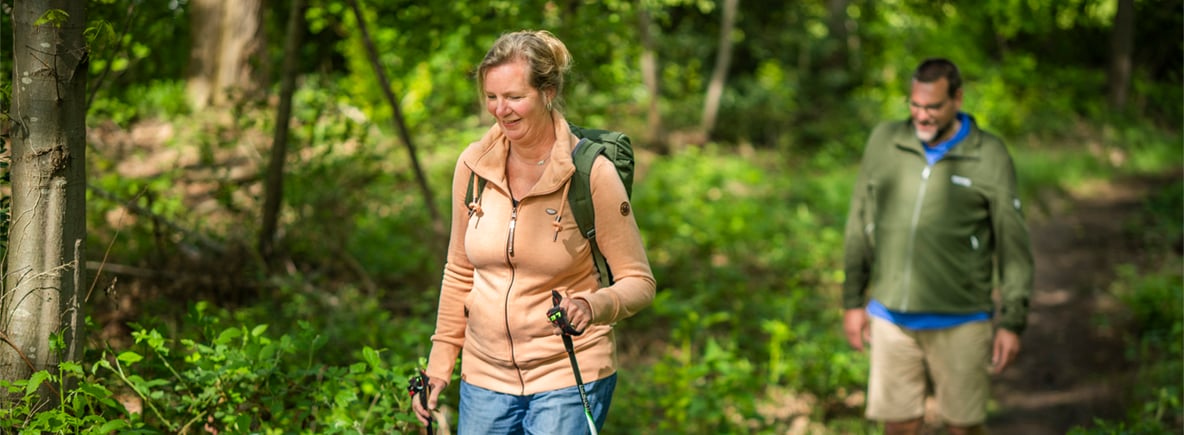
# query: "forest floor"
[1072,367]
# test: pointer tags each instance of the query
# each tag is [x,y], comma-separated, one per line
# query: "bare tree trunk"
[838,59]
[205,22]
[227,37]
[649,76]
[401,127]
[719,75]
[240,73]
[279,146]
[1121,45]
[48,113]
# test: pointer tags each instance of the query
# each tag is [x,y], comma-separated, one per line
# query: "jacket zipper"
[912,239]
[506,302]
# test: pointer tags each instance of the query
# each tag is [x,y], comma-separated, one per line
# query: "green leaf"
[259,330]
[228,335]
[35,381]
[371,357]
[129,357]
[108,427]
[70,367]
[357,368]
[95,390]
[55,17]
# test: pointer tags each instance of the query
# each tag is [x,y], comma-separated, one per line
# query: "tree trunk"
[719,75]
[279,146]
[401,127]
[649,76]
[228,40]
[838,57]
[1121,45]
[48,115]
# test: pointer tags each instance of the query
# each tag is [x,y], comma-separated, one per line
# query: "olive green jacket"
[932,239]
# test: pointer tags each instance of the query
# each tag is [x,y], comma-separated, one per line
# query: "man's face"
[933,109]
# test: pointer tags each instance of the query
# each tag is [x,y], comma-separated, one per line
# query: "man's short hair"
[933,69]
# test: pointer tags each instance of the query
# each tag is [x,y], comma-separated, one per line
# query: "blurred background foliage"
[743,223]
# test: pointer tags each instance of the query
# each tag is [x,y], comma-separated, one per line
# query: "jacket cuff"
[588,299]
[853,298]
[1013,315]
[1014,324]
[442,361]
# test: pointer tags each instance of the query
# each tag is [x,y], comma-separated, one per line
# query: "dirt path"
[1072,368]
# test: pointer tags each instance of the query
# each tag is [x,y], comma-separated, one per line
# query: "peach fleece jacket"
[503,263]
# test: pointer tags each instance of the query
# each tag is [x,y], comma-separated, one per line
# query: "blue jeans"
[551,412]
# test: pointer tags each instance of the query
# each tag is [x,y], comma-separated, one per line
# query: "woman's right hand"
[433,392]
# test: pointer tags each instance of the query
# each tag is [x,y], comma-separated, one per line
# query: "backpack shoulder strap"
[580,199]
[469,194]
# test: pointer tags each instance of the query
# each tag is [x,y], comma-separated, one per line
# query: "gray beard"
[941,132]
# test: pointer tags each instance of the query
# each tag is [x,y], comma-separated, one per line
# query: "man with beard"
[935,220]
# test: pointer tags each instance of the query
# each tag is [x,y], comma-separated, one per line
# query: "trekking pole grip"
[419,384]
[558,316]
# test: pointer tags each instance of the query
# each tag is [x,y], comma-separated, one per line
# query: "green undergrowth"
[297,366]
[744,335]
[1153,291]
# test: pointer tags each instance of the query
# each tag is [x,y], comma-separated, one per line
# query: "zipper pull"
[925,173]
[513,223]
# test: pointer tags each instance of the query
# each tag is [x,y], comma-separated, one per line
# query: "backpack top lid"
[614,145]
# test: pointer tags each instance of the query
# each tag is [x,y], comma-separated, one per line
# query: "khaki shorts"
[957,360]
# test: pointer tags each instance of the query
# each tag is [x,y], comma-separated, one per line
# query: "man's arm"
[1013,248]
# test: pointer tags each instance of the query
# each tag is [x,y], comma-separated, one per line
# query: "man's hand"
[855,325]
[433,392]
[1006,347]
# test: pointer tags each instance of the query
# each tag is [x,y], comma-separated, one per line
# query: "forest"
[230,216]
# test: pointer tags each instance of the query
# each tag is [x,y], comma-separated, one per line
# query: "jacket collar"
[489,160]
[971,146]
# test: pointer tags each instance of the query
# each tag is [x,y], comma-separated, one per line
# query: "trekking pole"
[419,385]
[559,317]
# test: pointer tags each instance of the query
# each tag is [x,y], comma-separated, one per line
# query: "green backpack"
[619,150]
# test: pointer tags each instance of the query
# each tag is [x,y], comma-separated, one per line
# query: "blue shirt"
[917,321]
[935,152]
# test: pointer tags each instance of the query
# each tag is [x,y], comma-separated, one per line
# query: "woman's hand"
[579,314]
[433,392]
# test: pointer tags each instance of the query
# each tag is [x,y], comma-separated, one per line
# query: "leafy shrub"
[164,99]
[234,379]
[1156,301]
[746,293]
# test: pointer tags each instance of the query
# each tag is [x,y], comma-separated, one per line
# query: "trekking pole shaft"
[575,368]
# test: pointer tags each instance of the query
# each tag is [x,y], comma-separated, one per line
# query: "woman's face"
[518,107]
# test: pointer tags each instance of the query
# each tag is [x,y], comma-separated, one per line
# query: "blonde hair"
[546,55]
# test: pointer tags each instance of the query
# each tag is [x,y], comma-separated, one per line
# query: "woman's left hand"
[579,314]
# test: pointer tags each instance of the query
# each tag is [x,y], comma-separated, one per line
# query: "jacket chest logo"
[960,180]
